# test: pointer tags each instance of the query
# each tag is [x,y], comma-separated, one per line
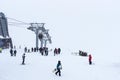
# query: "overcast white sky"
[86,24]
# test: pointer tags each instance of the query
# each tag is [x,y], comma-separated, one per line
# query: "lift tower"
[41,33]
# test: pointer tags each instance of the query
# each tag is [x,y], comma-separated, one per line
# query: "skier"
[23,57]
[90,59]
[59,67]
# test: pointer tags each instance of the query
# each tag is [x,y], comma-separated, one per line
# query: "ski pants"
[58,71]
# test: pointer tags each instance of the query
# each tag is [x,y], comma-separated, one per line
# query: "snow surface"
[37,67]
[92,26]
[1,36]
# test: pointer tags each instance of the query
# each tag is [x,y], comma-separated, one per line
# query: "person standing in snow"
[41,50]
[25,49]
[23,58]
[32,49]
[11,52]
[58,67]
[90,59]
[46,51]
[55,51]
[59,50]
[15,51]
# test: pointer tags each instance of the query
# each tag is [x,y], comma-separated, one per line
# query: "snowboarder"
[59,67]
[90,59]
[23,57]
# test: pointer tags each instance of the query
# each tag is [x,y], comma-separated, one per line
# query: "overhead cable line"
[22,26]
[18,21]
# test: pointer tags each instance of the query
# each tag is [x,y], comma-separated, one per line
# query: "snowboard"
[54,70]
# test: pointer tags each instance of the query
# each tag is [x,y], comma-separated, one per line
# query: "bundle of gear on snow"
[81,53]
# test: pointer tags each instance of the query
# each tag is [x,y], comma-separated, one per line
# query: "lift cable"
[18,21]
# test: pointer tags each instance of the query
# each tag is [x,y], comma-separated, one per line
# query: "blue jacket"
[59,66]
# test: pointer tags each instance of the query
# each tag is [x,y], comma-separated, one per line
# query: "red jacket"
[90,57]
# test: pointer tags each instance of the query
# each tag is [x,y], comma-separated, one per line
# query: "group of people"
[58,68]
[81,53]
[57,51]
[43,50]
[33,49]
[13,52]
[59,65]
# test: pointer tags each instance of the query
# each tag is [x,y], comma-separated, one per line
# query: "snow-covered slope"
[92,26]
[105,67]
